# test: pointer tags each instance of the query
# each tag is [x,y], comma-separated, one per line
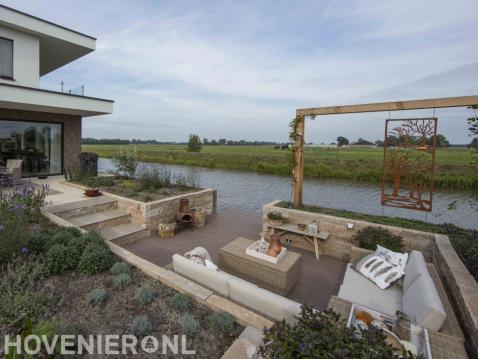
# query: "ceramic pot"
[92,192]
[274,246]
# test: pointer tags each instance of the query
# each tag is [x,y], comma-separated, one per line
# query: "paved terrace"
[318,280]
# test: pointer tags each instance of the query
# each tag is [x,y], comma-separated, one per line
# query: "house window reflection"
[38,144]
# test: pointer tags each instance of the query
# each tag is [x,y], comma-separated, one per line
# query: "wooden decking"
[318,280]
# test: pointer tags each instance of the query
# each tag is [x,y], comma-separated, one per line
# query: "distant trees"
[342,141]
[474,143]
[194,143]
[441,141]
[362,141]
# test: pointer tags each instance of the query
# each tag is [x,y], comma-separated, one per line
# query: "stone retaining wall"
[461,287]
[151,214]
[341,240]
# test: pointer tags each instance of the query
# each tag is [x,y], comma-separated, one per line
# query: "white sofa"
[243,292]
[416,297]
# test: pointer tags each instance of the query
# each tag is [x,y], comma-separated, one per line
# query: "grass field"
[456,167]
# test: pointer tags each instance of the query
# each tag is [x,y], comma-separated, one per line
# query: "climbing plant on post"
[297,135]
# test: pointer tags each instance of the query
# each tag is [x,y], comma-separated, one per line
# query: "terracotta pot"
[92,192]
[274,246]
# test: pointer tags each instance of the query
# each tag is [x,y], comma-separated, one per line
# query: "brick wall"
[71,130]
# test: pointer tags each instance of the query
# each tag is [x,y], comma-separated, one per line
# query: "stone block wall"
[151,214]
[461,287]
[71,130]
[341,238]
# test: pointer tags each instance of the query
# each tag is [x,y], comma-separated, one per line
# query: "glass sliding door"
[38,144]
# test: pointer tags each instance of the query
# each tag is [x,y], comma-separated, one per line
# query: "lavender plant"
[20,209]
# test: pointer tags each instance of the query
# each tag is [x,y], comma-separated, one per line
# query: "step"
[87,206]
[100,220]
[124,233]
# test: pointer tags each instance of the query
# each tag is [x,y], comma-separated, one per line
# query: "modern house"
[41,127]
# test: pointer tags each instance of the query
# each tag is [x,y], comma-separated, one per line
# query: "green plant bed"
[68,280]
[465,241]
[144,191]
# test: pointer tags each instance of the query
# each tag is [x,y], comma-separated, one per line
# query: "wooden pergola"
[301,114]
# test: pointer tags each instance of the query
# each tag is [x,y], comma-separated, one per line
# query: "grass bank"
[456,167]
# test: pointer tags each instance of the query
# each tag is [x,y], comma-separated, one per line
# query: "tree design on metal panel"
[409,163]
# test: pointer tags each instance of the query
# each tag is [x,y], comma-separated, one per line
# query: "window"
[38,144]
[6,59]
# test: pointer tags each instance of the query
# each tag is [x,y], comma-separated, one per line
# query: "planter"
[166,230]
[92,192]
[199,217]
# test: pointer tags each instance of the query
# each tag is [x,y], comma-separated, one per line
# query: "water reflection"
[250,191]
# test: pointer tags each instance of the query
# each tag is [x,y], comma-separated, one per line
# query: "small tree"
[342,141]
[194,143]
[126,161]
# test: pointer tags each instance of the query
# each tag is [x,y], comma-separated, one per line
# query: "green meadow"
[456,167]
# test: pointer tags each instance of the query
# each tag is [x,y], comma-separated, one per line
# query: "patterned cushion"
[379,271]
[394,258]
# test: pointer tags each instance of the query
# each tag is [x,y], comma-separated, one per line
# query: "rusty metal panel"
[409,163]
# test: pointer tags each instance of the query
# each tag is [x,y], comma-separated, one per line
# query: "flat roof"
[59,45]
[40,100]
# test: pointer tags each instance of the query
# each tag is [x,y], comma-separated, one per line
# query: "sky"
[239,69]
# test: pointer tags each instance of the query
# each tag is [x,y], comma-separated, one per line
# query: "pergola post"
[299,161]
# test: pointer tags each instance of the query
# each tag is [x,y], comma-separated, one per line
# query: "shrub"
[39,242]
[94,238]
[275,216]
[121,280]
[95,259]
[120,267]
[60,259]
[152,178]
[141,326]
[144,295]
[89,162]
[20,208]
[126,161]
[322,335]
[19,297]
[222,322]
[189,325]
[194,143]
[370,237]
[60,238]
[180,302]
[98,296]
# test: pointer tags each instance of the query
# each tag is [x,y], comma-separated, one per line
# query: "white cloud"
[240,69]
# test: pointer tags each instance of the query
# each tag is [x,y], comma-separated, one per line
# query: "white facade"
[26,57]
[40,47]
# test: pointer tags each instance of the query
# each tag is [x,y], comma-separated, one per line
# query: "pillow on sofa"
[379,271]
[395,258]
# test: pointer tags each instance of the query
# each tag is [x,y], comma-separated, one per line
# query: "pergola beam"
[461,101]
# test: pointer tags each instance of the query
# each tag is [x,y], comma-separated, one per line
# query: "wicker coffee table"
[279,278]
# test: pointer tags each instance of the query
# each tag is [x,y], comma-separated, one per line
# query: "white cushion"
[395,258]
[210,265]
[416,266]
[214,280]
[421,302]
[273,305]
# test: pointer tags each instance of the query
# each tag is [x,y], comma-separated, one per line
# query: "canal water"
[250,191]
